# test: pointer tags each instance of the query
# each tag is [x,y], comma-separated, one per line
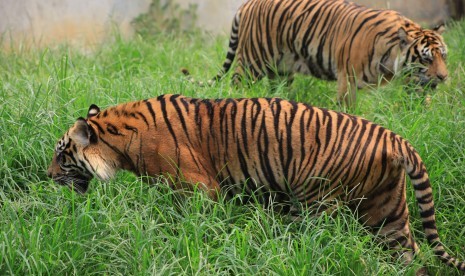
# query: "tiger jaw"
[77,183]
[78,158]
[424,81]
[103,169]
[428,83]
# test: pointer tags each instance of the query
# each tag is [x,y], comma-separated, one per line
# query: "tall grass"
[130,227]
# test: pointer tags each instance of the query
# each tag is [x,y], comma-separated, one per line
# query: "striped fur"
[333,40]
[284,150]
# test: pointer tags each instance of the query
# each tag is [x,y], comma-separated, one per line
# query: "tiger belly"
[290,198]
[291,63]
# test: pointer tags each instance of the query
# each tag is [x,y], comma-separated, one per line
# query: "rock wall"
[86,22]
[216,15]
[79,22]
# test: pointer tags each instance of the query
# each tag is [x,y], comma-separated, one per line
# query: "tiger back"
[332,40]
[286,151]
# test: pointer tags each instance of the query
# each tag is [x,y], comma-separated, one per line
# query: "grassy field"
[126,227]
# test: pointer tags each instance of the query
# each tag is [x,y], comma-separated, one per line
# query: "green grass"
[128,227]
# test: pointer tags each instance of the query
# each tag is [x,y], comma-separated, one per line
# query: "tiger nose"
[442,77]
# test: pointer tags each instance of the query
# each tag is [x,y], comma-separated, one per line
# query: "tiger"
[331,40]
[285,152]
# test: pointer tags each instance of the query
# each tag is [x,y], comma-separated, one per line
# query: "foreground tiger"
[271,147]
[333,40]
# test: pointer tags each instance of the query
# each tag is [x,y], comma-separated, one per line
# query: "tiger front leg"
[192,181]
[276,80]
[346,90]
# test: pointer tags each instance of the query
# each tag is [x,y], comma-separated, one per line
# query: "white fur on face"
[60,146]
[100,167]
[398,63]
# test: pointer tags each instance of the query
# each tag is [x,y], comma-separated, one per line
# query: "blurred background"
[87,22]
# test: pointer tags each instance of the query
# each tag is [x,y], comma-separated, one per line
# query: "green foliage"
[129,227]
[165,16]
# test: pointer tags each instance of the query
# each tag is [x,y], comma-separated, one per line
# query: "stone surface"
[86,22]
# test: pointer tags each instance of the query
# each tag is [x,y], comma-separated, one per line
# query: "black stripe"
[167,121]
[428,198]
[112,129]
[131,128]
[398,241]
[244,129]
[429,224]
[431,237]
[180,115]
[123,154]
[143,118]
[98,126]
[417,176]
[256,105]
[422,186]
[264,156]
[427,213]
[440,253]
[152,112]
[393,216]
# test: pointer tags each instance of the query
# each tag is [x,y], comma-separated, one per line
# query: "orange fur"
[279,149]
[333,40]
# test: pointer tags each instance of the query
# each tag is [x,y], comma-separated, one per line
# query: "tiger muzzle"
[76,182]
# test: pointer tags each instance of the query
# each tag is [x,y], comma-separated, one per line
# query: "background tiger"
[269,147]
[333,40]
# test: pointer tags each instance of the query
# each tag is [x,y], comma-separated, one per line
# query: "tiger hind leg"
[346,90]
[281,80]
[246,74]
[386,214]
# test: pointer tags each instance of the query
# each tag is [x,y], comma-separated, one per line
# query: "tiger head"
[426,54]
[78,156]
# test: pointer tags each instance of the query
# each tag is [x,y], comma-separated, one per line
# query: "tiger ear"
[81,132]
[404,38]
[93,110]
[439,29]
